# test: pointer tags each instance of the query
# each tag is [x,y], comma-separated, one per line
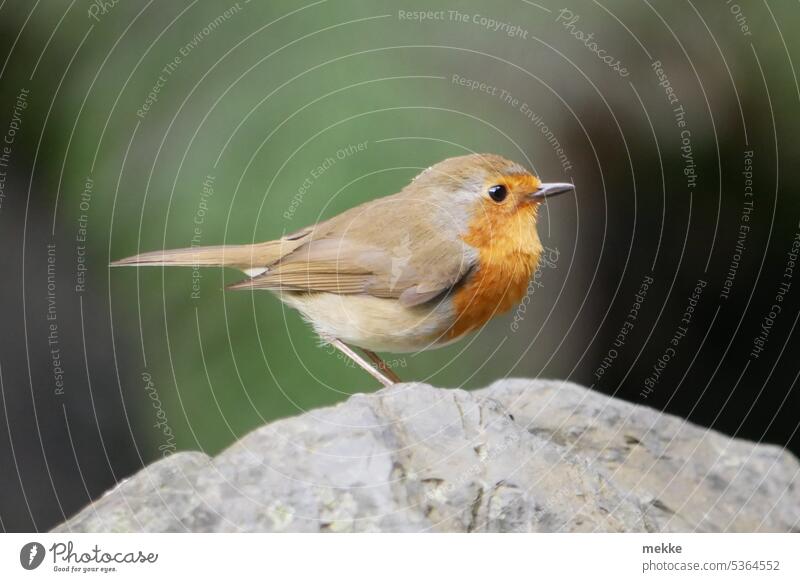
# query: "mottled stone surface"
[521,455]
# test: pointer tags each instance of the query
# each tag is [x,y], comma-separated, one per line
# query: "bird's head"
[492,200]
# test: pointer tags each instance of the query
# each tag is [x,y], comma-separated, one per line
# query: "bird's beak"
[552,189]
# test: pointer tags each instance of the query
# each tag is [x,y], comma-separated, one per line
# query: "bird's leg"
[382,366]
[379,375]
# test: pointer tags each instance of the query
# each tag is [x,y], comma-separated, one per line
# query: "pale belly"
[374,323]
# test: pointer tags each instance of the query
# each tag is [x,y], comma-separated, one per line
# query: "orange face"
[504,222]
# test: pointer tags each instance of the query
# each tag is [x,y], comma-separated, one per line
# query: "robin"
[416,270]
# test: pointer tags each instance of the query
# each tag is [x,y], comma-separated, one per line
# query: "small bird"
[412,271]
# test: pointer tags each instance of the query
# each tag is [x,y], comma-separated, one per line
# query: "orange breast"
[508,252]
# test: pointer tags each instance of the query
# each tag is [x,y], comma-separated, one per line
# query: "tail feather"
[248,258]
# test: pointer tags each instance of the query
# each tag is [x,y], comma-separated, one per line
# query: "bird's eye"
[498,193]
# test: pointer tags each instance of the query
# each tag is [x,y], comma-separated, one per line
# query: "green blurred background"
[262,95]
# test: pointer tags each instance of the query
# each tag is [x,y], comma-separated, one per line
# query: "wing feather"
[381,249]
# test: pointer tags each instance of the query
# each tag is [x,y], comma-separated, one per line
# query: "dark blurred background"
[129,126]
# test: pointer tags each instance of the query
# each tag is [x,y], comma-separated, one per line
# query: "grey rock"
[519,456]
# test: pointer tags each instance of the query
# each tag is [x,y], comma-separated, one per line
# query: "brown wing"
[388,248]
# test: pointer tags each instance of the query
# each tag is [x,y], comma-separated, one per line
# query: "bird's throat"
[508,253]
